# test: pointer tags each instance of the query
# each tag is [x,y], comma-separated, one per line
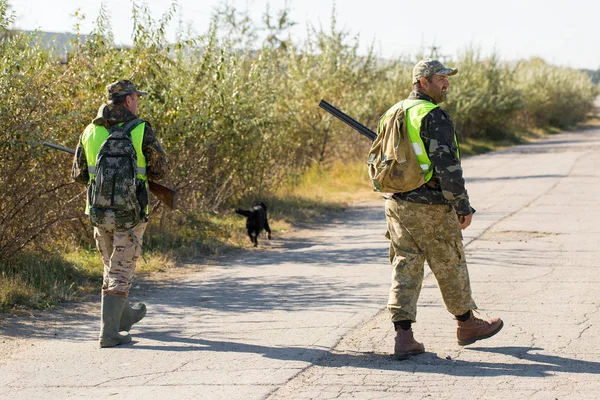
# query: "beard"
[440,96]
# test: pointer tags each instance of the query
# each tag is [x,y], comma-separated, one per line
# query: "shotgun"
[163,193]
[352,123]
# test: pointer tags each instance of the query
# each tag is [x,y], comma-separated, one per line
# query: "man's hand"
[465,220]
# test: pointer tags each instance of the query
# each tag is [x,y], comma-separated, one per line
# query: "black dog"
[256,221]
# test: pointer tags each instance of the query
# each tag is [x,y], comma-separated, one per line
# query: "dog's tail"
[245,213]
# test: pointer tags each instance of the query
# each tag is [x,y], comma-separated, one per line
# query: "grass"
[39,281]
[475,146]
[322,189]
[592,122]
[335,183]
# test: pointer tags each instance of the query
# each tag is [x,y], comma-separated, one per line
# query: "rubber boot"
[131,315]
[112,307]
[406,345]
[475,329]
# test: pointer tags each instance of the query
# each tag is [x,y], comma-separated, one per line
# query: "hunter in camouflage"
[425,225]
[447,185]
[110,114]
[119,249]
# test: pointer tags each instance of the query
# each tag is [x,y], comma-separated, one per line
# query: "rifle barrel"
[57,147]
[352,123]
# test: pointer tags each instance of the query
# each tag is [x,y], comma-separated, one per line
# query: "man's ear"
[424,83]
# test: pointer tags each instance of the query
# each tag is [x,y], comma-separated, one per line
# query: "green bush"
[483,97]
[554,97]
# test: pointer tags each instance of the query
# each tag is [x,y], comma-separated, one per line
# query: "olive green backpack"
[393,165]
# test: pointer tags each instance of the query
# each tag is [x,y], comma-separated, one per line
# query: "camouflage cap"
[121,88]
[425,68]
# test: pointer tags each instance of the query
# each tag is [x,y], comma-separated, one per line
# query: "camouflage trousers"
[120,251]
[419,233]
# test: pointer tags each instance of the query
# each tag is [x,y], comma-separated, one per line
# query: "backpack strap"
[389,112]
[129,126]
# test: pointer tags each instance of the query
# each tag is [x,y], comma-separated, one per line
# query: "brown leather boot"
[476,329]
[406,345]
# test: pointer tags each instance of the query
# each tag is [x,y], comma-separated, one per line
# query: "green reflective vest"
[92,139]
[416,110]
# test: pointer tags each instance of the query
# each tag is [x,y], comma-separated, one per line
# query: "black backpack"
[117,197]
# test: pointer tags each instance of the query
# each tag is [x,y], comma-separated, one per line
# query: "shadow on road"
[508,178]
[249,295]
[179,299]
[538,365]
[304,251]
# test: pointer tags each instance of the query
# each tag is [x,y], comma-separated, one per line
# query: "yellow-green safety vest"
[95,135]
[415,111]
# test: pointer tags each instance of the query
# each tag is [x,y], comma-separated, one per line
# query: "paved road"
[306,318]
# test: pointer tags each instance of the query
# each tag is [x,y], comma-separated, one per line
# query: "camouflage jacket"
[447,186]
[110,114]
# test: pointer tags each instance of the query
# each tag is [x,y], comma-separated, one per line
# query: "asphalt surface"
[304,317]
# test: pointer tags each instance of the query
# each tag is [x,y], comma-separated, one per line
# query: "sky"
[563,33]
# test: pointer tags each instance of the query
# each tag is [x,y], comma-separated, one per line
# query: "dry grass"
[339,182]
[42,281]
